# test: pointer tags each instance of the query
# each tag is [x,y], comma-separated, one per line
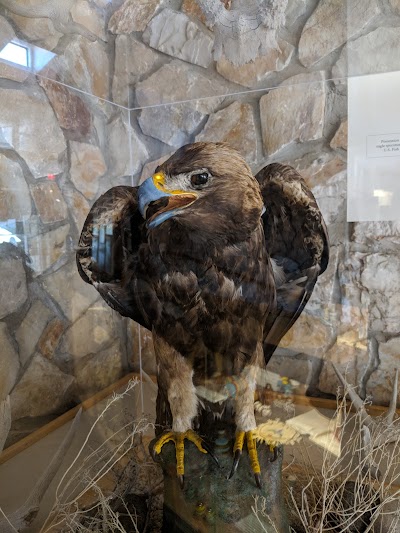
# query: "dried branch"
[356,491]
[93,494]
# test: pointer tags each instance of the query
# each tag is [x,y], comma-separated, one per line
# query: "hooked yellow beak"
[165,203]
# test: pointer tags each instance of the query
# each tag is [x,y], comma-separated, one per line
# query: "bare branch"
[356,400]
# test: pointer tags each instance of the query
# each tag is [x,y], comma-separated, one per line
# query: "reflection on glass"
[15,53]
[22,54]
[8,236]
[101,247]
[384,197]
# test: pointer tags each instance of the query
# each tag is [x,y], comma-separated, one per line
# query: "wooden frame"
[40,433]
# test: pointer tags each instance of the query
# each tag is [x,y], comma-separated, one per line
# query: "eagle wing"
[108,255]
[297,243]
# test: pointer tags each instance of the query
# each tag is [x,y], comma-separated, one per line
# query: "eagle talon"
[236,459]
[275,456]
[211,453]
[178,439]
[252,451]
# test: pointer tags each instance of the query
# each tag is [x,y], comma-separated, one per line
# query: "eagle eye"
[199,180]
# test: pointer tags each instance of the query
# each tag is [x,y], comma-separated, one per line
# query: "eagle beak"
[157,203]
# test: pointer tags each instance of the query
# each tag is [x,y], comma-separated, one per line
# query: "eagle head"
[203,185]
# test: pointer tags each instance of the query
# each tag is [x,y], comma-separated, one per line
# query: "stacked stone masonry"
[123,85]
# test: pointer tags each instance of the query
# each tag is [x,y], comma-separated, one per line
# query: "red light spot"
[51,176]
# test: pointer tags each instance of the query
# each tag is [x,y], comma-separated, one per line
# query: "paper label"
[387,145]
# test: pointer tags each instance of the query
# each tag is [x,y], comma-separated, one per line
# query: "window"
[15,53]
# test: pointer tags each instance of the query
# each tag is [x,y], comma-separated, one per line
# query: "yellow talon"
[178,439]
[239,440]
[251,448]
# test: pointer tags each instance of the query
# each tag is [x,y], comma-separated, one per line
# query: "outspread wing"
[107,255]
[297,242]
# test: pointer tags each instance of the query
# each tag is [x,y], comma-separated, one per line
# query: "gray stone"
[122,139]
[235,126]
[15,200]
[331,197]
[13,285]
[84,65]
[294,112]
[175,34]
[71,111]
[133,61]
[254,73]
[310,335]
[150,167]
[90,374]
[50,337]
[47,248]
[100,320]
[325,296]
[21,127]
[381,273]
[174,124]
[377,236]
[82,13]
[31,329]
[9,363]
[340,138]
[181,82]
[133,15]
[192,8]
[6,32]
[318,168]
[11,72]
[238,35]
[38,30]
[332,24]
[381,382]
[69,290]
[369,54]
[87,165]
[49,202]
[294,10]
[395,5]
[351,360]
[380,277]
[78,205]
[42,390]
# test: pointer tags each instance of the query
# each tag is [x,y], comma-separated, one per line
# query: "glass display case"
[96,94]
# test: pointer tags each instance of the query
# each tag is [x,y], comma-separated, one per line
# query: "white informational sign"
[374,148]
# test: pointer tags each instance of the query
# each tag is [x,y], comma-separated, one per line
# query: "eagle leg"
[245,419]
[252,451]
[178,438]
[175,377]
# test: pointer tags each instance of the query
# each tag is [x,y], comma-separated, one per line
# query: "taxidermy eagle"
[217,263]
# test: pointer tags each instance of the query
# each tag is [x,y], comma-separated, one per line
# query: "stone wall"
[129,82]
